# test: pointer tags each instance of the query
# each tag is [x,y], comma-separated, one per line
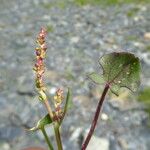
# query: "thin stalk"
[58,137]
[47,139]
[94,122]
[47,105]
[55,125]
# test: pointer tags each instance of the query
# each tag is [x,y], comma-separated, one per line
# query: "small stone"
[9,132]
[78,25]
[83,100]
[136,18]
[52,90]
[143,8]
[46,17]
[97,143]
[25,90]
[104,117]
[95,92]
[145,57]
[147,36]
[76,133]
[5,146]
[115,104]
[64,23]
[124,104]
[52,75]
[74,39]
[34,148]
[123,144]
[138,44]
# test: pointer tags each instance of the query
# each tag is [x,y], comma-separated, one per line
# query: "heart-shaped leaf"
[42,123]
[121,70]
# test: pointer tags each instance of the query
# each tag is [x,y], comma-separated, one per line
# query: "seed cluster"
[39,67]
[58,98]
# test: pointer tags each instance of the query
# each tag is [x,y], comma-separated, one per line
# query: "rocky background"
[78,34]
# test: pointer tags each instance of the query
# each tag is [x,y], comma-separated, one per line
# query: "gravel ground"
[77,37]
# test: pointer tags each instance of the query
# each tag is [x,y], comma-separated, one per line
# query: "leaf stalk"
[95,119]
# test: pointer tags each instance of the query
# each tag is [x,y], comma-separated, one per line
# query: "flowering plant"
[120,69]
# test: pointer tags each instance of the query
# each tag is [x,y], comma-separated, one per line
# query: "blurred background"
[79,32]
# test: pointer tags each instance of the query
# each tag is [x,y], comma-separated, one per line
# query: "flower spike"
[39,67]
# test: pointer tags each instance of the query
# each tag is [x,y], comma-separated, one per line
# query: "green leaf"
[42,123]
[121,69]
[144,95]
[115,90]
[68,103]
[96,78]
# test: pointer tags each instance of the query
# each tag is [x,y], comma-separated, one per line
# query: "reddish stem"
[94,122]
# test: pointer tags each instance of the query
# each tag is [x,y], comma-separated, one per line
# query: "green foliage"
[69,74]
[64,3]
[91,2]
[148,48]
[119,70]
[96,78]
[144,96]
[42,123]
[50,28]
[46,5]
[132,12]
[59,4]
[107,2]
[131,38]
[68,103]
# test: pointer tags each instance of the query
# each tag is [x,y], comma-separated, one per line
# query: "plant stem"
[57,135]
[47,139]
[47,105]
[55,125]
[94,122]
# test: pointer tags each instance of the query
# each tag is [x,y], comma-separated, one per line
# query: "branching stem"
[57,136]
[55,125]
